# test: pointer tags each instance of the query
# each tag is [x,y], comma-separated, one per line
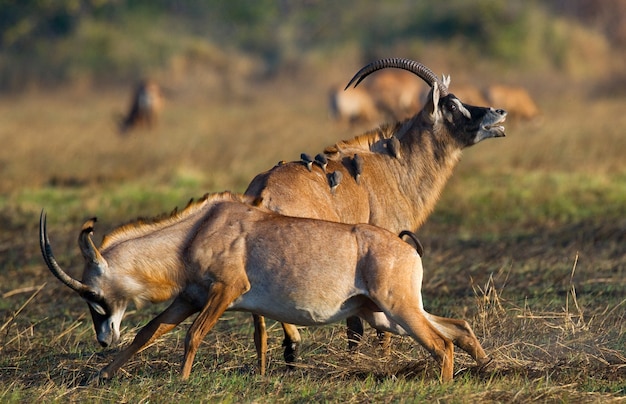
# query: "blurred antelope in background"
[515,99]
[145,106]
[221,253]
[401,171]
[396,93]
[390,96]
[354,106]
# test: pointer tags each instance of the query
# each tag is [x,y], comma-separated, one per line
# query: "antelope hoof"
[106,374]
[384,342]
[291,353]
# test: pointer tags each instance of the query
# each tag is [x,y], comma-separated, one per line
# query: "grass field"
[528,243]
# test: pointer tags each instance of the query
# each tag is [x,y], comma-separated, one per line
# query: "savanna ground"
[528,243]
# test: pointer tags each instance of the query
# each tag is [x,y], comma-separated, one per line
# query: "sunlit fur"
[405,167]
[224,252]
[146,279]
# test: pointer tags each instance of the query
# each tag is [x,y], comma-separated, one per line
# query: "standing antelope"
[403,168]
[145,107]
[221,253]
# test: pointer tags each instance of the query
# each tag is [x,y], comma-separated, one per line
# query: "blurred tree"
[50,38]
[24,21]
[607,15]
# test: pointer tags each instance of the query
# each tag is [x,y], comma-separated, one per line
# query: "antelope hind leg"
[440,347]
[291,343]
[461,334]
[411,320]
[178,311]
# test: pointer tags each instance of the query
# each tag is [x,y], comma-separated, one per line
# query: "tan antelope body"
[403,169]
[223,254]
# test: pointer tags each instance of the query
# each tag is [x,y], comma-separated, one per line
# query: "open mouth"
[496,127]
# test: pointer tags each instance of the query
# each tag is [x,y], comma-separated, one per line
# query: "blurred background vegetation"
[46,43]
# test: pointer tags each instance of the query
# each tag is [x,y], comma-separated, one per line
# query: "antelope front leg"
[354,332]
[220,297]
[291,342]
[384,342]
[260,342]
[178,311]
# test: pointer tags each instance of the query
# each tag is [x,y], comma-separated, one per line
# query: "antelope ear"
[97,308]
[446,80]
[87,247]
[432,105]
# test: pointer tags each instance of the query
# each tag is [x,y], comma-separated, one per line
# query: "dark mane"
[142,226]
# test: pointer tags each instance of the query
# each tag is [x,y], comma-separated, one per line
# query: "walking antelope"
[402,170]
[221,253]
[145,107]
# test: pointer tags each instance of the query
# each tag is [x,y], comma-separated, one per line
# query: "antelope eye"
[452,106]
[92,296]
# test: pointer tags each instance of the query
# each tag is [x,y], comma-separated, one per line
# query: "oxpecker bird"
[357,163]
[334,179]
[322,161]
[307,160]
[393,146]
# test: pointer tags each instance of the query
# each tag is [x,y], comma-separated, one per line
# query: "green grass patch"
[517,199]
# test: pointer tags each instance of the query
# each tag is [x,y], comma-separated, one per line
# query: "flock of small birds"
[334,178]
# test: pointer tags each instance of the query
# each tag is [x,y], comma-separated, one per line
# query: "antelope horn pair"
[400,63]
[89,250]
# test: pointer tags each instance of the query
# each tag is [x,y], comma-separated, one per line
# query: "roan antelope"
[403,168]
[145,107]
[221,253]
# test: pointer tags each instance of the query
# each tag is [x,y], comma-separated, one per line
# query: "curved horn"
[51,262]
[87,247]
[400,63]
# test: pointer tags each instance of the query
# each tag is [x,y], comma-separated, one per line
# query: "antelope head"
[468,124]
[96,287]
